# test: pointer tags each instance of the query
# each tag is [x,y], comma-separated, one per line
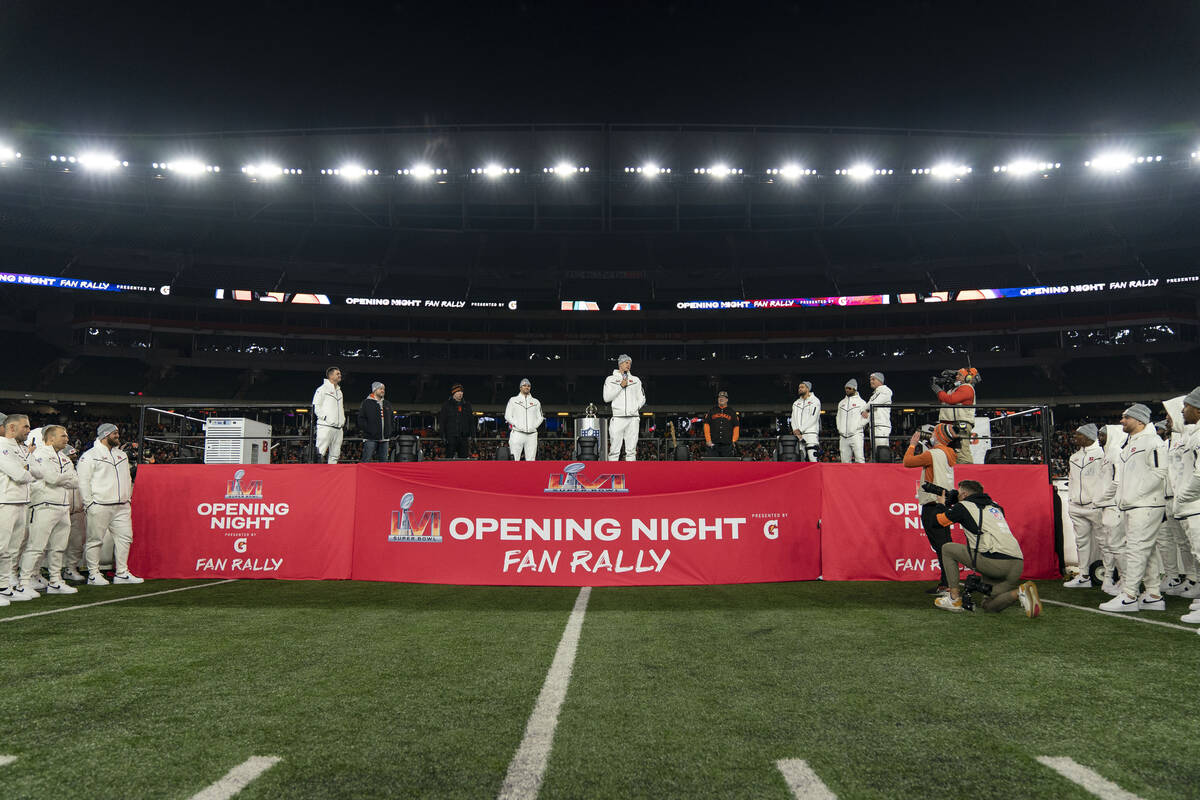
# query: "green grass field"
[393,690]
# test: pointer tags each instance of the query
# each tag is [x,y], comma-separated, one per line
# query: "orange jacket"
[925,459]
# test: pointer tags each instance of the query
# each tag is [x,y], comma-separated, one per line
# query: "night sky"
[177,67]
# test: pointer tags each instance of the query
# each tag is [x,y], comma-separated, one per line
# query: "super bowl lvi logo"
[427,529]
[571,480]
[241,489]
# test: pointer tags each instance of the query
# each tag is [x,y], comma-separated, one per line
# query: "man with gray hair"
[880,406]
[15,480]
[524,414]
[1141,497]
[376,423]
[1085,485]
[106,487]
[626,396]
[50,510]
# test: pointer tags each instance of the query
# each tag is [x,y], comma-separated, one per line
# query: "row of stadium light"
[1112,162]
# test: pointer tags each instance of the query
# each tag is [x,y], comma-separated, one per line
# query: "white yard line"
[1138,616]
[528,766]
[803,782]
[1091,781]
[237,778]
[117,600]
[6,760]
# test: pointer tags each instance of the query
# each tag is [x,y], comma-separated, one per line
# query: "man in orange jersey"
[721,427]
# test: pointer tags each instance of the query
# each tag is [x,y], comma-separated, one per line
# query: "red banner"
[557,524]
[871,524]
[587,524]
[195,521]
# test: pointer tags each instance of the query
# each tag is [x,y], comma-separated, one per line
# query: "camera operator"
[957,389]
[936,459]
[991,550]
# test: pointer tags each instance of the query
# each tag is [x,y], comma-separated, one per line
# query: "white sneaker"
[1169,583]
[1110,588]
[61,588]
[3,601]
[96,579]
[23,593]
[1191,616]
[1079,582]
[1195,604]
[1148,603]
[128,577]
[1191,590]
[1175,587]
[73,574]
[1121,604]
[38,582]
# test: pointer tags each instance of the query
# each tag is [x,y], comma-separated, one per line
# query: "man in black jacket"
[376,423]
[721,427]
[457,421]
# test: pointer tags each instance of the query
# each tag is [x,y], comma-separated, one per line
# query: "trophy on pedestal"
[405,523]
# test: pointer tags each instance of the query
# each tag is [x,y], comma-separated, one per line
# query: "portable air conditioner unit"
[235,440]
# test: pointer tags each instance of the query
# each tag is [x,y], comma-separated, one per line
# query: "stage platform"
[560,523]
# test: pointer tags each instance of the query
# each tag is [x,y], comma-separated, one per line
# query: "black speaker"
[503,453]
[407,448]
[682,453]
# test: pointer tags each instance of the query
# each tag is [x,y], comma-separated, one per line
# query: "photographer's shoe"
[1122,604]
[941,588]
[1079,582]
[1148,603]
[1027,594]
[949,603]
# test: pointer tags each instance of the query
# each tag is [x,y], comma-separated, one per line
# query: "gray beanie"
[1193,398]
[1161,425]
[105,429]
[376,385]
[526,382]
[852,383]
[878,375]
[808,384]
[621,359]
[1139,412]
[1089,431]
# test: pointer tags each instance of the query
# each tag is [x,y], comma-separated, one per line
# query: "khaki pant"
[1004,573]
[100,520]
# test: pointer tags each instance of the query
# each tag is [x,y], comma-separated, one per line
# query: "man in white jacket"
[15,480]
[329,416]
[624,393]
[1141,497]
[806,419]
[850,424]
[1187,490]
[524,414]
[106,488]
[1173,547]
[881,424]
[50,510]
[1085,485]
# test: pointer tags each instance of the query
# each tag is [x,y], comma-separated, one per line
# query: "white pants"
[1112,523]
[13,517]
[49,528]
[1191,528]
[1140,561]
[852,449]
[329,440]
[74,554]
[1173,546]
[623,430]
[101,519]
[1088,533]
[810,440]
[519,443]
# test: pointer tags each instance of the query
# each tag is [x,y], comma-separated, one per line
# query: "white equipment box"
[235,440]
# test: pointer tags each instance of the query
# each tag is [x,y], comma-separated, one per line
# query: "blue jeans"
[370,448]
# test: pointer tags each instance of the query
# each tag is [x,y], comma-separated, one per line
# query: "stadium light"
[266,171]
[495,170]
[8,154]
[648,171]
[862,172]
[98,162]
[421,171]
[187,167]
[717,171]
[565,170]
[1115,162]
[944,170]
[1022,167]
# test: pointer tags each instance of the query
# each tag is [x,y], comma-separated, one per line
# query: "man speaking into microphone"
[624,393]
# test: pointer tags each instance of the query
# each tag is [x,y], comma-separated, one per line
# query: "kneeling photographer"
[991,550]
